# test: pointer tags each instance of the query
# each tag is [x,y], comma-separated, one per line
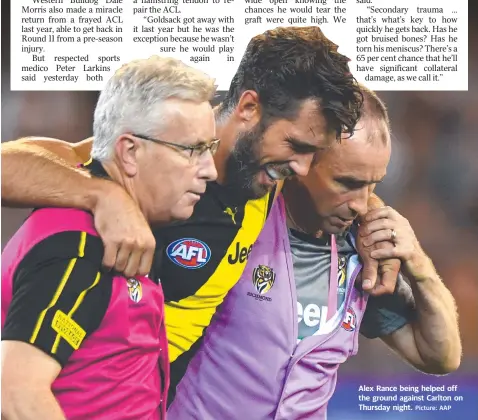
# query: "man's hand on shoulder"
[127,237]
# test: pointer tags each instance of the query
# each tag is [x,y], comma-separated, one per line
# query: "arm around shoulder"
[41,172]
[71,153]
[38,172]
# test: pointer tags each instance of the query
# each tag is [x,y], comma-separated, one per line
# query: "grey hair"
[132,98]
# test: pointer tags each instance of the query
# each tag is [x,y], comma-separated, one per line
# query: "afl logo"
[350,320]
[189,253]
[135,290]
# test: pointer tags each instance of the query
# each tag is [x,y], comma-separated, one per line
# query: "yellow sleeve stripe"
[78,302]
[61,286]
[88,162]
[81,246]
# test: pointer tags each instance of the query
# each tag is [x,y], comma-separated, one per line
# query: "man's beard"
[243,165]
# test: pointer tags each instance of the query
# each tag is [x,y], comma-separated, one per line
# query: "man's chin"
[250,188]
[261,185]
[181,213]
[258,190]
[333,229]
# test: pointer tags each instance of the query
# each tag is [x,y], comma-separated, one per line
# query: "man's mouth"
[272,173]
[277,172]
[345,222]
[198,194]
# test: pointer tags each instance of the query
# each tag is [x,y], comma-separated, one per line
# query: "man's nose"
[359,204]
[302,163]
[207,169]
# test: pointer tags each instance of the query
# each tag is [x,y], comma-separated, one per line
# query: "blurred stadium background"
[432,180]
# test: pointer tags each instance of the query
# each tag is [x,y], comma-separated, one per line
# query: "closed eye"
[300,147]
[351,183]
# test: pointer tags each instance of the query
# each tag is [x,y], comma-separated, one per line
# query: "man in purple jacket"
[274,347]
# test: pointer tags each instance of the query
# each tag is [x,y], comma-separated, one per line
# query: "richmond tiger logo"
[135,290]
[342,270]
[263,278]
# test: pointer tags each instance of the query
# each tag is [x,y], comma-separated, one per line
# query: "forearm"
[26,404]
[435,330]
[60,185]
[430,341]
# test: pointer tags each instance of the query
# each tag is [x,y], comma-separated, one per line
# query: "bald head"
[374,119]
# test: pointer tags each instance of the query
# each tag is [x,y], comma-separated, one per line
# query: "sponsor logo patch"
[231,211]
[240,254]
[68,329]
[350,320]
[189,253]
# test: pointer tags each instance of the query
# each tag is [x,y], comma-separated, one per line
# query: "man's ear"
[248,109]
[127,148]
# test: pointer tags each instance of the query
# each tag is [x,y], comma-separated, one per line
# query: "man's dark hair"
[286,66]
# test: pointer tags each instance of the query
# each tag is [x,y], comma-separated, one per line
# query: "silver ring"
[393,235]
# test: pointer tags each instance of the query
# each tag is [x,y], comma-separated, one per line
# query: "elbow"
[451,360]
[445,366]
[442,355]
[451,364]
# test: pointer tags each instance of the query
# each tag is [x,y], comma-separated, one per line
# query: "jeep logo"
[240,254]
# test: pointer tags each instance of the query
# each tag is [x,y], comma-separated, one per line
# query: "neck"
[300,210]
[228,131]
[125,182]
